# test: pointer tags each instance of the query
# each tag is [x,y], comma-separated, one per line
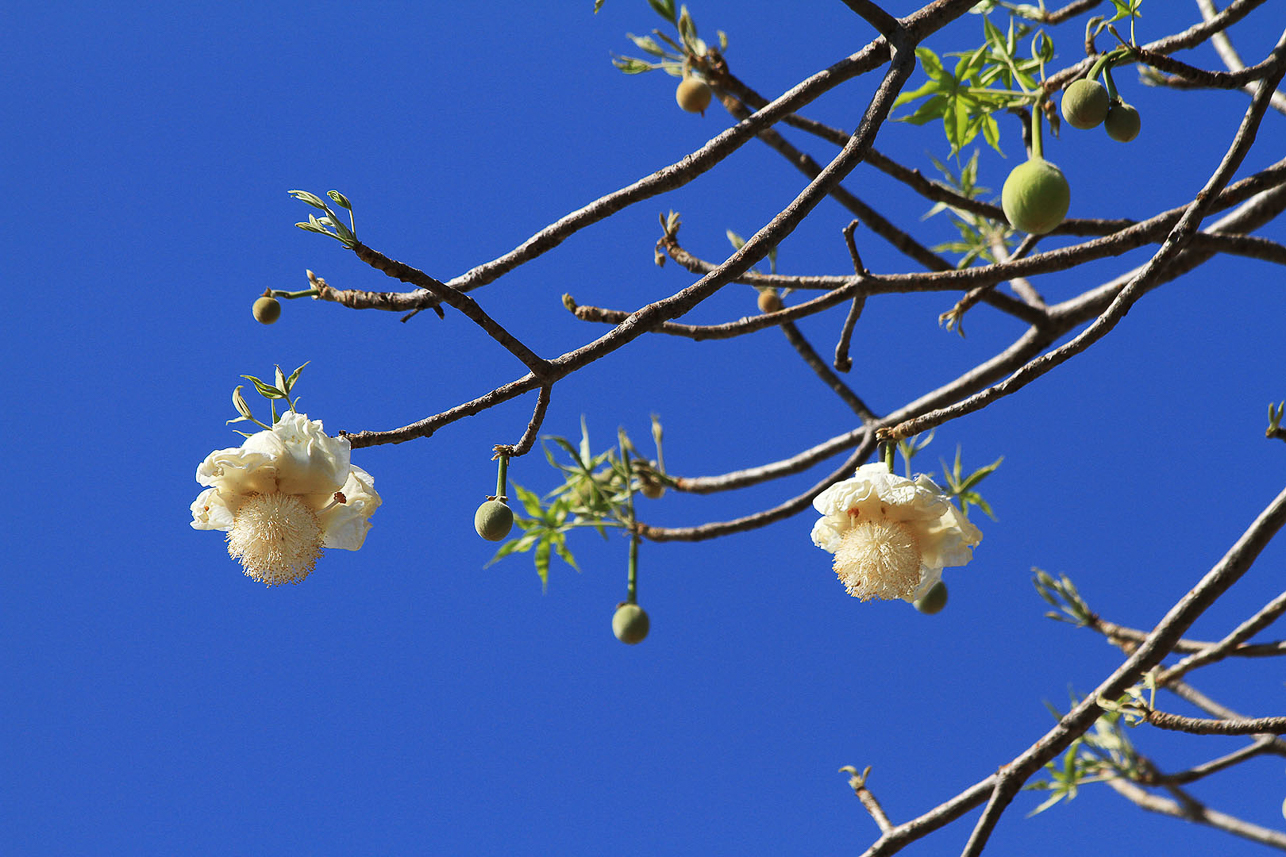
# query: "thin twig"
[810,356]
[1187,692]
[788,509]
[533,427]
[1191,810]
[1125,635]
[1256,748]
[678,174]
[1202,726]
[441,292]
[858,783]
[1223,46]
[1268,614]
[842,361]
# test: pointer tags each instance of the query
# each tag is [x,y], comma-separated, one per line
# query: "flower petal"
[311,462]
[240,470]
[210,512]
[345,524]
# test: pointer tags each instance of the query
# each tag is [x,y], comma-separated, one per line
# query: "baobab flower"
[891,536]
[282,496]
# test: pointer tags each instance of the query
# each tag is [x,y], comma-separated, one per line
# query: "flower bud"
[1122,122]
[493,520]
[693,95]
[1085,104]
[266,310]
[769,301]
[630,623]
[932,601]
[651,487]
[1035,197]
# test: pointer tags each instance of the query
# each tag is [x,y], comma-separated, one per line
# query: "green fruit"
[693,95]
[493,520]
[1035,197]
[769,301]
[933,600]
[266,310]
[1122,122]
[1085,104]
[630,623]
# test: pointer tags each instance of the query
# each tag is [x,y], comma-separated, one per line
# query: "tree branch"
[1191,810]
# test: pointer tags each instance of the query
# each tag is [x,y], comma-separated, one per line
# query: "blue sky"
[405,699]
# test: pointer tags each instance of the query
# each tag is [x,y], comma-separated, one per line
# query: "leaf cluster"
[1101,754]
[597,491]
[346,235]
[674,57]
[984,81]
[280,389]
[979,236]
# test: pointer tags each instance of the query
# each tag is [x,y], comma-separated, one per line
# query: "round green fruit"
[1085,104]
[630,624]
[1035,197]
[933,600]
[693,95]
[1122,122]
[493,520]
[266,310]
[769,301]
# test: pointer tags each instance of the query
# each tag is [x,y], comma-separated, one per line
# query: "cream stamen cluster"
[891,536]
[277,538]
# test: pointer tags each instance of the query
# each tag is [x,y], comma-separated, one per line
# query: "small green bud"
[1085,104]
[493,520]
[769,301]
[933,600]
[1035,197]
[1122,122]
[693,95]
[266,310]
[630,623]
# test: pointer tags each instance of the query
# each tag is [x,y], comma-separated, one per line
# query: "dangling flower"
[891,536]
[282,496]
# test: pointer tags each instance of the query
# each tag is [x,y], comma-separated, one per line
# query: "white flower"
[891,536]
[282,496]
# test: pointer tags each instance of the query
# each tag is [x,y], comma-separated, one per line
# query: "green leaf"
[664,8]
[598,4]
[736,240]
[529,500]
[932,65]
[628,65]
[311,198]
[541,559]
[268,392]
[560,546]
[647,44]
[581,463]
[928,87]
[294,376]
[991,133]
[935,108]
